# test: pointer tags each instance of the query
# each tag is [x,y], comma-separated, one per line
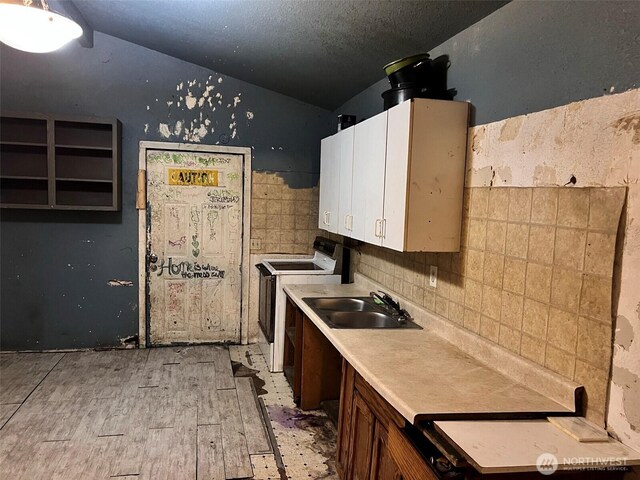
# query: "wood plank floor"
[162,413]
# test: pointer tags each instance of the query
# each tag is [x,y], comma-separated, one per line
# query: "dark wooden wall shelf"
[60,162]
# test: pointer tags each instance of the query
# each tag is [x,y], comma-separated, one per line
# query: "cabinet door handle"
[324,218]
[328,218]
[383,228]
[378,229]
[346,222]
[351,222]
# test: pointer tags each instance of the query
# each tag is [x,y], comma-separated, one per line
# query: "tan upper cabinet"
[406,177]
[424,175]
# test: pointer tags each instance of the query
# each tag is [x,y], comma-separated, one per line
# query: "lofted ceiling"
[321,52]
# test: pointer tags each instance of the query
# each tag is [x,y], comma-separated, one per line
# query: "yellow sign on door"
[200,178]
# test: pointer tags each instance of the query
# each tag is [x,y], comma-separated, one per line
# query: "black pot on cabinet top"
[394,96]
[409,71]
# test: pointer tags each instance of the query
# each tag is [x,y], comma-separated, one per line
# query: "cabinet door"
[329,185]
[345,171]
[383,466]
[361,440]
[344,418]
[396,175]
[368,179]
[410,462]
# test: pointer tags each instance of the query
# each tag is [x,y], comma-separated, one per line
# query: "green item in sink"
[377,301]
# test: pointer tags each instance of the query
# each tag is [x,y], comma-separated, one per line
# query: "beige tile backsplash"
[534,274]
[283,218]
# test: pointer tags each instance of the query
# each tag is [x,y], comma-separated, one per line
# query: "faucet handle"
[403,315]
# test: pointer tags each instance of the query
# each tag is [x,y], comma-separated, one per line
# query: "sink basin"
[362,320]
[340,304]
[354,312]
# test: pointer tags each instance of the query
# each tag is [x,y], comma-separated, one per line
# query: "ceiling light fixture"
[35,29]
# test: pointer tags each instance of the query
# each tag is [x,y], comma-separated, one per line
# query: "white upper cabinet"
[367,196]
[396,175]
[329,185]
[344,153]
[396,180]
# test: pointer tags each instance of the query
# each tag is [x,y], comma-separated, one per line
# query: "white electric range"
[330,264]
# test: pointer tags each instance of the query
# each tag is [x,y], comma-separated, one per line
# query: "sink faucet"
[392,305]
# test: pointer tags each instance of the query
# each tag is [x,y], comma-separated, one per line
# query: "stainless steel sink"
[363,320]
[355,312]
[340,304]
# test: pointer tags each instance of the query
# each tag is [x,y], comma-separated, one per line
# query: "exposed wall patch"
[163,129]
[120,283]
[510,129]
[131,341]
[200,101]
[190,101]
[624,332]
[630,385]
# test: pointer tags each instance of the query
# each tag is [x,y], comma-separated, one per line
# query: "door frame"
[143,314]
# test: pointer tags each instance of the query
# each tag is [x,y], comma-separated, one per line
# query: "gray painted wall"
[530,56]
[55,265]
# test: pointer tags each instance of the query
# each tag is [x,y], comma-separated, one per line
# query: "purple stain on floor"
[318,424]
[285,416]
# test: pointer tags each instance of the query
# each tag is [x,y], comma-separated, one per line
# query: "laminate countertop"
[423,376]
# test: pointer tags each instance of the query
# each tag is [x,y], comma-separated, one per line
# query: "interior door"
[368,178]
[194,246]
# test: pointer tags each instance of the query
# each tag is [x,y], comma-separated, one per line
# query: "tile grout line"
[34,389]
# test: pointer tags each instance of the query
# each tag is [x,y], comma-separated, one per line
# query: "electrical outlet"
[433,276]
[256,243]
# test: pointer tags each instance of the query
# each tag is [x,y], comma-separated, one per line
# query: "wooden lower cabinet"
[311,363]
[344,418]
[383,466]
[375,443]
[364,450]
[361,442]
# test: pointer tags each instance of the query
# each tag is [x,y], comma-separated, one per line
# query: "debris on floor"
[306,440]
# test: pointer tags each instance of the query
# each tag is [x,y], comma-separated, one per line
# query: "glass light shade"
[35,30]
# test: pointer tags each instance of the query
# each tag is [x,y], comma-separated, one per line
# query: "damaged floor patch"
[306,439]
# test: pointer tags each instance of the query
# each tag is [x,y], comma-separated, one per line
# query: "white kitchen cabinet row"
[396,179]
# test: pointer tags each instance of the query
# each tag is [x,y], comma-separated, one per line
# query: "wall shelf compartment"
[60,162]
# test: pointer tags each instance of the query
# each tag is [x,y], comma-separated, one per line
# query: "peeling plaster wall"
[530,56]
[598,142]
[56,265]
